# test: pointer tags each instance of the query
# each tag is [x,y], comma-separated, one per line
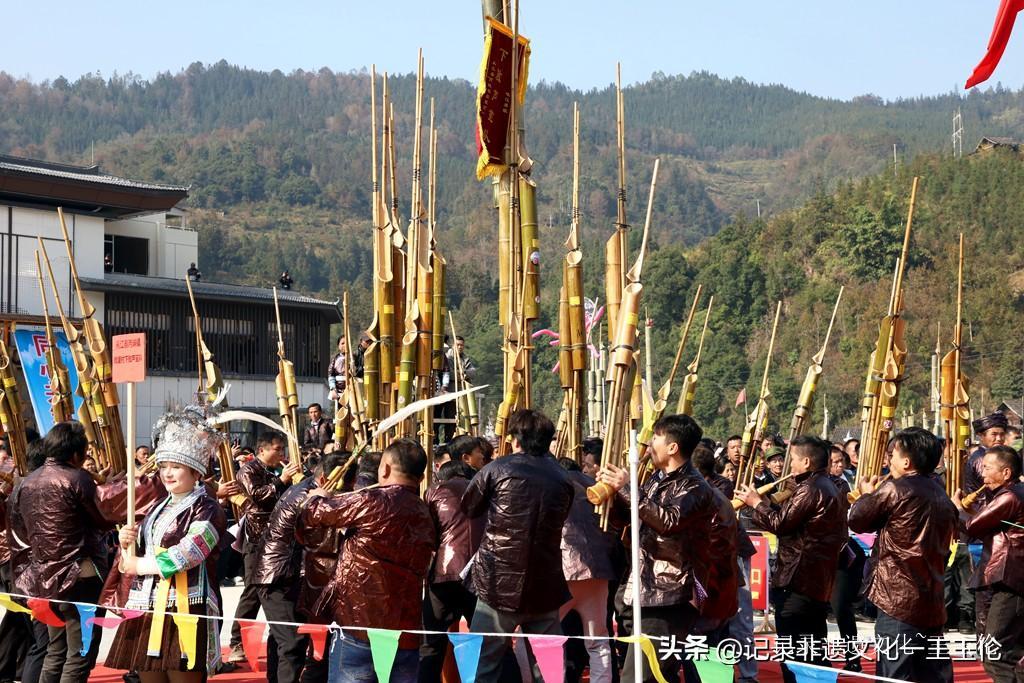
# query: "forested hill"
[279,166]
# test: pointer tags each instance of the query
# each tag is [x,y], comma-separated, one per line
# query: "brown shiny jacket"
[811,526]
[676,514]
[1002,556]
[458,535]
[322,549]
[56,509]
[915,521]
[280,557]
[378,581]
[724,575]
[261,488]
[525,499]
[586,549]
[5,545]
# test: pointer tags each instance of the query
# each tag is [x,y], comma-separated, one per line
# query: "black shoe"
[131,677]
[853,666]
[966,628]
[863,618]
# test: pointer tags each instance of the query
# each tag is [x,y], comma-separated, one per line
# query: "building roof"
[989,142]
[82,189]
[165,286]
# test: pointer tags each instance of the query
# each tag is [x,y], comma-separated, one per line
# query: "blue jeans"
[352,662]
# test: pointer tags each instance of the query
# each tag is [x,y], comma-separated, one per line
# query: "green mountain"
[279,166]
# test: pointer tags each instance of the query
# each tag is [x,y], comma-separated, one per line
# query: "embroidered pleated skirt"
[131,644]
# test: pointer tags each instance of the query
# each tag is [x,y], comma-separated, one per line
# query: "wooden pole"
[130,456]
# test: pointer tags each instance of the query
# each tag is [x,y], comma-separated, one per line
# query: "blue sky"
[893,48]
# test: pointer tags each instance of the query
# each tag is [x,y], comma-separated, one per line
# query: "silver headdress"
[187,438]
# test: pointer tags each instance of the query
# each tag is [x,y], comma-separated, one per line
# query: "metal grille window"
[241,336]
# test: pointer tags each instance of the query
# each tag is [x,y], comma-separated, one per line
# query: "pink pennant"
[550,656]
[115,621]
[252,641]
[318,634]
[42,612]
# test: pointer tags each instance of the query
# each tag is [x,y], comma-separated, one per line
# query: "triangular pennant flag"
[550,656]
[86,615]
[807,673]
[466,647]
[383,648]
[115,621]
[252,641]
[713,669]
[8,604]
[647,647]
[318,634]
[188,629]
[42,612]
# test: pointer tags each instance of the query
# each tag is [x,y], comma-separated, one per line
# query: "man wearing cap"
[990,432]
[774,463]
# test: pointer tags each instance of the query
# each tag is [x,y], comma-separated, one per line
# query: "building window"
[123,254]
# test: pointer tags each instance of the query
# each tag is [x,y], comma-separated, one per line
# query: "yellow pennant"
[647,647]
[188,628]
[8,604]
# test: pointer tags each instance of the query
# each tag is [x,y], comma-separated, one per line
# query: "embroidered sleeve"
[190,552]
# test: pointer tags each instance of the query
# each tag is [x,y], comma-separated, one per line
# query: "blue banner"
[32,346]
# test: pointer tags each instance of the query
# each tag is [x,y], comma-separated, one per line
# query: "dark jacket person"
[915,521]
[811,527]
[517,573]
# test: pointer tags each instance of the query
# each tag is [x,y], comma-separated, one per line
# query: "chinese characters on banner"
[32,347]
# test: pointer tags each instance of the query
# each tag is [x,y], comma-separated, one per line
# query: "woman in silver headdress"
[171,573]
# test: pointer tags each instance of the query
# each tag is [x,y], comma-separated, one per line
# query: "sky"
[840,49]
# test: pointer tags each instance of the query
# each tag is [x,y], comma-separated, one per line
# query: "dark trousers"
[493,652]
[801,618]
[33,667]
[248,606]
[1004,622]
[15,636]
[844,593]
[286,648]
[64,661]
[660,623]
[908,653]
[445,604]
[959,600]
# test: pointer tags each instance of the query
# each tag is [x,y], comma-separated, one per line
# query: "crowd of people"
[510,544]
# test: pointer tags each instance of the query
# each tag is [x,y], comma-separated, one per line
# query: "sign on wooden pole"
[129,368]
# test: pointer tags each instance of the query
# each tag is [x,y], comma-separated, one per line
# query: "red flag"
[741,398]
[1008,10]
[494,96]
[252,641]
[41,611]
[318,634]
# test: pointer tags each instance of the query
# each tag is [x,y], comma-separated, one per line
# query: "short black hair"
[923,448]
[734,437]
[487,447]
[460,338]
[315,405]
[452,469]
[681,430]
[461,445]
[703,459]
[268,438]
[814,448]
[35,454]
[408,457]
[65,441]
[709,443]
[369,462]
[532,429]
[593,445]
[330,462]
[569,465]
[1007,457]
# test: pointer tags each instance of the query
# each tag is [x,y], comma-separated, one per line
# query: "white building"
[132,249]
